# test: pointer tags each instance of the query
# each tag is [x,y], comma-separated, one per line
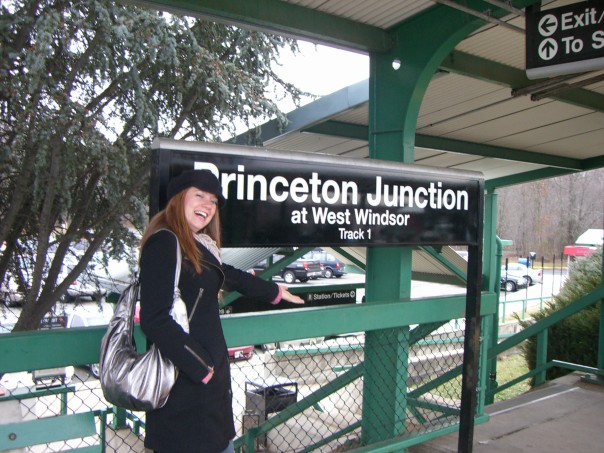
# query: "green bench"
[45,430]
[50,429]
[22,393]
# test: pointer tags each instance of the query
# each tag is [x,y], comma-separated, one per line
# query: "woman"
[198,416]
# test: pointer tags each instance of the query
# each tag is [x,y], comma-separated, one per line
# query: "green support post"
[386,350]
[486,368]
[388,270]
[398,81]
[120,418]
[493,252]
[541,359]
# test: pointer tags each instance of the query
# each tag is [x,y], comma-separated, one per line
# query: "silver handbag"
[133,381]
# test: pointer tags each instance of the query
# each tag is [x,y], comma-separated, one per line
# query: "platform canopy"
[480,111]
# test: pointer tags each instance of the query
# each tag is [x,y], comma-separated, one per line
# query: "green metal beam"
[316,112]
[24,351]
[340,129]
[360,132]
[593,163]
[480,68]
[275,16]
[295,323]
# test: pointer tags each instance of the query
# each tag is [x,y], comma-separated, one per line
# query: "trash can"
[266,396]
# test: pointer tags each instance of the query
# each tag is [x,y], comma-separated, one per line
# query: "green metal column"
[388,269]
[398,81]
[387,350]
[491,263]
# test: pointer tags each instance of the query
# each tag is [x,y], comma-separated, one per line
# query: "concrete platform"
[565,415]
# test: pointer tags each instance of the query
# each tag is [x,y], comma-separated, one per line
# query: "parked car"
[84,288]
[302,269]
[9,293]
[241,353]
[532,275]
[511,283]
[331,266]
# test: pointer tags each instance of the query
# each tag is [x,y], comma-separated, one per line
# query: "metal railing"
[298,396]
[539,329]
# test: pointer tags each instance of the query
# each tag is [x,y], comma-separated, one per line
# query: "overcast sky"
[319,70]
[322,70]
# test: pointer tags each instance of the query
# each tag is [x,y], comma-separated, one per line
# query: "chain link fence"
[289,397]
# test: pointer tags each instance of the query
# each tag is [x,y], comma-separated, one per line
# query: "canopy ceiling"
[480,111]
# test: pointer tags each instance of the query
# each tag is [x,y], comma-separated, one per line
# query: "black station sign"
[565,40]
[314,299]
[279,198]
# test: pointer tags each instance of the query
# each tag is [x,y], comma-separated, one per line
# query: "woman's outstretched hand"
[289,297]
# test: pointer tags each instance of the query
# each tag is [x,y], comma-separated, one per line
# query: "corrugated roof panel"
[317,143]
[498,44]
[303,142]
[445,160]
[496,124]
[347,148]
[452,97]
[498,168]
[579,146]
[379,13]
[549,133]
[425,153]
[359,115]
[357,153]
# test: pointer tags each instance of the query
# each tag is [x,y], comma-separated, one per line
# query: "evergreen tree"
[84,89]
[574,339]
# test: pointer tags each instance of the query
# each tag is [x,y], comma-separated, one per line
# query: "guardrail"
[540,329]
[326,407]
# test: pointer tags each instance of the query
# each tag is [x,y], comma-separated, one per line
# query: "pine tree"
[574,339]
[84,89]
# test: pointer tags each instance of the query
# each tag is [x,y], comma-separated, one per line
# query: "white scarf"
[210,244]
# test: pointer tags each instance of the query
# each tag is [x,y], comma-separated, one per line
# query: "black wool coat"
[197,417]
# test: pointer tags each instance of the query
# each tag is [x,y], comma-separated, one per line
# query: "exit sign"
[565,40]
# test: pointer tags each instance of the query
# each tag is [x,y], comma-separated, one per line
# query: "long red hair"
[173,218]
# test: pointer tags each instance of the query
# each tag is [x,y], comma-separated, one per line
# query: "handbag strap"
[178,259]
[178,264]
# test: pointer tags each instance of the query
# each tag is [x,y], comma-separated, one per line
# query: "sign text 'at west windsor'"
[565,40]
[281,198]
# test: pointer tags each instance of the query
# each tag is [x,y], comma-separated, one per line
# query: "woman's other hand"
[289,297]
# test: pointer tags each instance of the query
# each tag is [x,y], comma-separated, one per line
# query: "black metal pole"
[471,339]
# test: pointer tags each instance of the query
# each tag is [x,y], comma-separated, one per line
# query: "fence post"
[541,357]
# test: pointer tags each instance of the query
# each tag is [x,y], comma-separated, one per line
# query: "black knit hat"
[201,179]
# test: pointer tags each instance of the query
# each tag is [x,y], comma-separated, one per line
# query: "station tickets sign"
[317,298]
[565,40]
[280,198]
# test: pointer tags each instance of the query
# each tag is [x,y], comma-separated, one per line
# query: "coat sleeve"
[157,271]
[249,285]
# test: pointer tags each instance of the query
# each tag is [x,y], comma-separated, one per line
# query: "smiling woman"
[199,410]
